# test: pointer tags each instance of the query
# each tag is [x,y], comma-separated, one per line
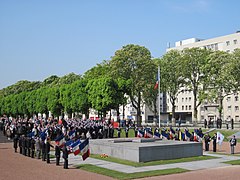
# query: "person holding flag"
[214,139]
[65,156]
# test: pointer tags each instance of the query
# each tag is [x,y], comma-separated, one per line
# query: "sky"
[56,37]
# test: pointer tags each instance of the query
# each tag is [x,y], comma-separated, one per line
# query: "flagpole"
[159,104]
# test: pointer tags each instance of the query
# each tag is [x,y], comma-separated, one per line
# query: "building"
[184,104]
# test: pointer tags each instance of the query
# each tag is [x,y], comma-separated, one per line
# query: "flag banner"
[140,134]
[148,133]
[60,140]
[157,82]
[86,155]
[156,135]
[43,134]
[69,145]
[188,134]
[84,148]
[220,138]
[165,135]
[75,147]
[31,134]
[172,131]
[72,134]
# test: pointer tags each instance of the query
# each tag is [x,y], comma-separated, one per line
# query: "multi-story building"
[231,103]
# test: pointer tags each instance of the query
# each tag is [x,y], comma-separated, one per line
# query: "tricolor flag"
[156,135]
[157,82]
[140,134]
[84,148]
[72,134]
[31,134]
[43,134]
[148,133]
[60,140]
[75,147]
[68,145]
[188,134]
[164,135]
[220,138]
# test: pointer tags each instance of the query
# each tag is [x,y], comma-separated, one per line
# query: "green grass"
[151,163]
[120,175]
[234,162]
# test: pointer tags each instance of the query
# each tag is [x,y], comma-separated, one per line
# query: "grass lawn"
[120,175]
[234,162]
[151,163]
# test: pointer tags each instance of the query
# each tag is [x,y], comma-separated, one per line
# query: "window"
[234,41]
[228,43]
[186,99]
[182,107]
[186,107]
[228,99]
[189,99]
[190,107]
[236,98]
[236,108]
[229,108]
[182,99]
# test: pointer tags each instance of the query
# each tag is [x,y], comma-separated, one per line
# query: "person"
[20,144]
[15,143]
[214,138]
[38,147]
[65,156]
[233,143]
[47,151]
[232,123]
[32,142]
[207,140]
[119,132]
[205,123]
[57,154]
[126,131]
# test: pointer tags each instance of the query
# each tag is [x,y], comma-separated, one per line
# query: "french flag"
[156,135]
[68,145]
[188,134]
[72,134]
[148,134]
[84,148]
[60,140]
[43,134]
[75,147]
[164,135]
[140,134]
[31,134]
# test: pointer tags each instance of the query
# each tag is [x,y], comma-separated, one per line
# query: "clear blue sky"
[55,37]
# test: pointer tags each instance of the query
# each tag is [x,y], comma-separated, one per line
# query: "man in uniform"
[214,138]
[65,156]
[207,140]
[15,143]
[32,142]
[233,142]
[57,154]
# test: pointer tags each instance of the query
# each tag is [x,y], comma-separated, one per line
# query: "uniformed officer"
[65,156]
[47,151]
[32,142]
[207,140]
[214,138]
[233,143]
[43,148]
[57,154]
[15,143]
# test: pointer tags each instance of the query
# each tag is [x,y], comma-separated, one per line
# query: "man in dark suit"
[233,143]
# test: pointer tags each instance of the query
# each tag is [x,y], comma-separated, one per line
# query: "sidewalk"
[194,165]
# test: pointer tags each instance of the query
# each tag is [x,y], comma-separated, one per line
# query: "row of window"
[187,107]
[234,42]
[187,99]
[229,98]
[236,108]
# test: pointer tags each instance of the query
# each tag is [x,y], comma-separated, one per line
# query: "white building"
[231,103]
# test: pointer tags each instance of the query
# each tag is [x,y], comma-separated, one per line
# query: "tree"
[172,77]
[133,63]
[193,66]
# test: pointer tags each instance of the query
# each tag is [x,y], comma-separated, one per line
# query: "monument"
[144,150]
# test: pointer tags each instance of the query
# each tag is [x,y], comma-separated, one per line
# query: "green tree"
[193,67]
[172,77]
[133,63]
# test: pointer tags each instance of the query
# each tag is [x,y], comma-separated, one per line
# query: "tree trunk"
[173,114]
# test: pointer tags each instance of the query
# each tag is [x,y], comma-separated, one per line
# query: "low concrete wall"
[145,150]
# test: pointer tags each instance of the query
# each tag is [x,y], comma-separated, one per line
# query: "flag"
[75,147]
[156,135]
[148,133]
[60,140]
[31,134]
[84,148]
[43,134]
[72,134]
[165,135]
[68,145]
[140,134]
[188,134]
[157,82]
[220,138]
